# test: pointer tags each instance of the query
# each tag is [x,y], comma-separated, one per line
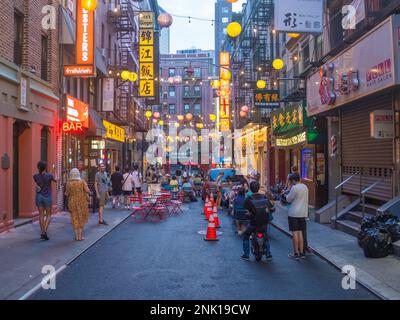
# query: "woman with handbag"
[44,200]
[77,192]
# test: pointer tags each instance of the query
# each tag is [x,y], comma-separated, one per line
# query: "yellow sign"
[146,37]
[146,20]
[224,59]
[146,71]
[146,54]
[114,132]
[224,125]
[302,137]
[146,88]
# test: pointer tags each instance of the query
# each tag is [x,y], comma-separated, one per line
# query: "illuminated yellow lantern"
[261,84]
[213,117]
[232,1]
[215,84]
[294,35]
[225,75]
[189,116]
[161,122]
[180,117]
[154,121]
[125,75]
[148,114]
[132,76]
[233,29]
[89,5]
[176,125]
[278,64]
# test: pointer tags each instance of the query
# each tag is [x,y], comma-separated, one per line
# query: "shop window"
[307,164]
[44,141]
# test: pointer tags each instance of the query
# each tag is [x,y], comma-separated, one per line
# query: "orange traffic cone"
[211,232]
[209,211]
[206,204]
[215,214]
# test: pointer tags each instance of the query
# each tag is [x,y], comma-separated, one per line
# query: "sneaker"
[244,257]
[294,256]
[309,252]
[302,256]
[269,257]
[103,223]
[44,236]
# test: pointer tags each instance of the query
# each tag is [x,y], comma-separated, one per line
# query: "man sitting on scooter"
[259,208]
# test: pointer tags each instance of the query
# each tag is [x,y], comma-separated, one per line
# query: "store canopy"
[68,29]
[100,64]
[96,126]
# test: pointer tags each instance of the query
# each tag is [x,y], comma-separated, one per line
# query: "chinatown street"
[170,260]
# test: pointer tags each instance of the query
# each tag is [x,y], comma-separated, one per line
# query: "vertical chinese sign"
[146,55]
[224,92]
[84,66]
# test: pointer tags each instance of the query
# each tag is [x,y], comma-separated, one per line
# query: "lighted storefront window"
[307,164]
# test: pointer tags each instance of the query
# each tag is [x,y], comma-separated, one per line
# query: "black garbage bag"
[376,243]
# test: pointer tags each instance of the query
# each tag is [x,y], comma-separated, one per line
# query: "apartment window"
[18,37]
[109,47]
[82,89]
[44,58]
[44,141]
[115,55]
[171,91]
[224,31]
[102,35]
[225,20]
[186,108]
[197,72]
[197,109]
[225,10]
[186,91]
[172,109]
[197,91]
[171,72]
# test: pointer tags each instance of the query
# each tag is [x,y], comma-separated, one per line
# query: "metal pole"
[336,207]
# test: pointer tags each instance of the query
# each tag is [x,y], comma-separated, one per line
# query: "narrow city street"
[170,260]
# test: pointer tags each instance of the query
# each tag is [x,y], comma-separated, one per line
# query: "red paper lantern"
[245,109]
[243,114]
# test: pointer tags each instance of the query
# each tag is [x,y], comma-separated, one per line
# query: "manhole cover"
[204,232]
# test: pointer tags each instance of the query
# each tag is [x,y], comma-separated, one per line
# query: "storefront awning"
[100,64]
[68,29]
[96,127]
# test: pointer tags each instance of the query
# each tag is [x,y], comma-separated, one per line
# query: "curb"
[37,287]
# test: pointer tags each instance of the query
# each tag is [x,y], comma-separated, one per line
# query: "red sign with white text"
[77,111]
[79,71]
[72,127]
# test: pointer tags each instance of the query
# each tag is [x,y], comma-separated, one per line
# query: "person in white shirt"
[298,211]
[127,186]
[137,180]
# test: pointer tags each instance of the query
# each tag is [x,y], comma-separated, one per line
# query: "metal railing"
[390,205]
[363,192]
[337,188]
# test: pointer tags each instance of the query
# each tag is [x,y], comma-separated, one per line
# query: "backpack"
[263,208]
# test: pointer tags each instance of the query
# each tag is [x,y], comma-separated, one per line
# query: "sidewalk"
[381,276]
[23,254]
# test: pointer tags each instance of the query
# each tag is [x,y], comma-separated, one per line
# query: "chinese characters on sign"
[382,124]
[285,120]
[146,55]
[286,142]
[299,16]
[224,92]
[266,99]
[114,132]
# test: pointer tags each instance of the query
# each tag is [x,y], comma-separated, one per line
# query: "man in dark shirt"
[117,180]
[258,207]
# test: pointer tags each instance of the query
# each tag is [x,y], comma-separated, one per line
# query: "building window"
[197,91]
[102,35]
[186,108]
[224,31]
[115,55]
[172,109]
[225,10]
[197,109]
[225,20]
[186,91]
[44,58]
[171,72]
[44,140]
[18,37]
[171,91]
[197,72]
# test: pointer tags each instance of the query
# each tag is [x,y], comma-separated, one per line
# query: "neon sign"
[77,111]
[72,127]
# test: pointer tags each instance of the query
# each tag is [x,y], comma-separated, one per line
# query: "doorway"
[18,129]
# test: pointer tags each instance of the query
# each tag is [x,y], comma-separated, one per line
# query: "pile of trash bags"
[377,235]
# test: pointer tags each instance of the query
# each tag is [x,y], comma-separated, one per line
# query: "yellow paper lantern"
[261,84]
[176,125]
[161,122]
[132,76]
[180,117]
[215,84]
[154,121]
[213,117]
[232,1]
[148,114]
[225,75]
[294,35]
[125,75]
[89,5]
[233,29]
[278,64]
[189,116]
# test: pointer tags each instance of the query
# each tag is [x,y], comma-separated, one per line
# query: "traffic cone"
[209,211]
[206,204]
[215,214]
[211,232]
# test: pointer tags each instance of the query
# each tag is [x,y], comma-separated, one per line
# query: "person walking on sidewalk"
[116,181]
[137,180]
[102,186]
[77,192]
[218,183]
[298,211]
[44,200]
[81,168]
[127,186]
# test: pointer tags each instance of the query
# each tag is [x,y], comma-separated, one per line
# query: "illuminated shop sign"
[224,92]
[72,127]
[146,55]
[78,71]
[77,111]
[287,142]
[114,132]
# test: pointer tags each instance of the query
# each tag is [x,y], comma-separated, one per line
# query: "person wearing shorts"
[127,186]
[102,185]
[116,181]
[298,211]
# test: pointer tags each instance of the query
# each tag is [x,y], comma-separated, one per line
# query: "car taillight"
[259,235]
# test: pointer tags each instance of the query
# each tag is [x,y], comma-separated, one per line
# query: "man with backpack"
[260,210]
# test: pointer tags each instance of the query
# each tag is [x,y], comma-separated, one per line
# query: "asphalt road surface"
[170,260]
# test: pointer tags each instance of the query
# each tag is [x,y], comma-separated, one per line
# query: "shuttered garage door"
[360,151]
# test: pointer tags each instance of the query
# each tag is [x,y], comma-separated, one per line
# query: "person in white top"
[127,186]
[298,211]
[137,180]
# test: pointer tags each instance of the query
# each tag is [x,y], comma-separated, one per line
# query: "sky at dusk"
[199,34]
